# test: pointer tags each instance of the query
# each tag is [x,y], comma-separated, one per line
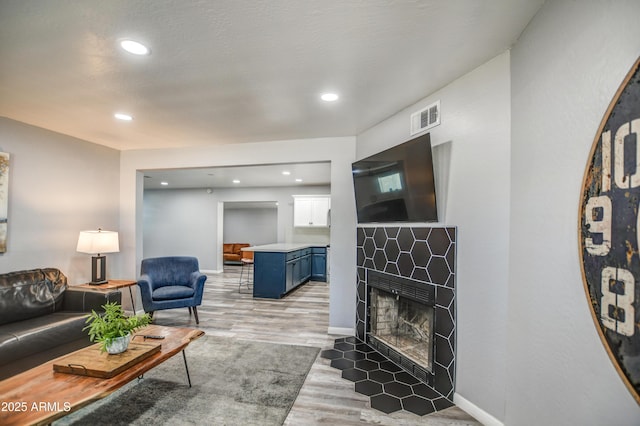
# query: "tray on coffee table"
[94,363]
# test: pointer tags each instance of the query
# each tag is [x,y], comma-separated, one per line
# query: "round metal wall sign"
[609,231]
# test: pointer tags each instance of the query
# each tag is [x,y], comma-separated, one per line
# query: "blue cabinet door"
[305,268]
[269,275]
[290,279]
[319,266]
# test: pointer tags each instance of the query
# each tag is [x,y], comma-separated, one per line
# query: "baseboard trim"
[475,411]
[341,331]
[211,271]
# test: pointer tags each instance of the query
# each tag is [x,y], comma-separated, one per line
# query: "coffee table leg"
[186,367]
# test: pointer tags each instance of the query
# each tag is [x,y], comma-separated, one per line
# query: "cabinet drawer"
[319,250]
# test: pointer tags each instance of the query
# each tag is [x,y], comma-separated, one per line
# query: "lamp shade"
[96,242]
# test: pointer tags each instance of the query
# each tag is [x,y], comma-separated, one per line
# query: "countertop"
[282,247]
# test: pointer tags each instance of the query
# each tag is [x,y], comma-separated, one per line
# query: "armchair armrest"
[197,280]
[146,289]
[82,300]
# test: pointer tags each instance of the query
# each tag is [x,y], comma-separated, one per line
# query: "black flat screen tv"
[397,185]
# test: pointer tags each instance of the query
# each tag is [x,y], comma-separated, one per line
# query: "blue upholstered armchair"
[171,282]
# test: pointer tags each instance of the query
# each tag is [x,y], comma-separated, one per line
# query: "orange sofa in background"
[232,253]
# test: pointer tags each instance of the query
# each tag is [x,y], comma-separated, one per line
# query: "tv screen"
[396,185]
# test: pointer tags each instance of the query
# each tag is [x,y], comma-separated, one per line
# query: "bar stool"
[246,261]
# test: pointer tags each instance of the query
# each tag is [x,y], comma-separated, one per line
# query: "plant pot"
[118,345]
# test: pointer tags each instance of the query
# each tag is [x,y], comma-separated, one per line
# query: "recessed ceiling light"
[135,47]
[298,180]
[164,183]
[329,97]
[236,181]
[286,173]
[122,116]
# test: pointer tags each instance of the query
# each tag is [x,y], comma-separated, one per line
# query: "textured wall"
[58,187]
[254,226]
[472,164]
[566,68]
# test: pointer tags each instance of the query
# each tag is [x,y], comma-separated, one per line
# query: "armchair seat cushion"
[172,292]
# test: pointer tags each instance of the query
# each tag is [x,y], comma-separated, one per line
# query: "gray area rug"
[234,383]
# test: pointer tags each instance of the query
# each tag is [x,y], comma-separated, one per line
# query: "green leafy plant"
[113,323]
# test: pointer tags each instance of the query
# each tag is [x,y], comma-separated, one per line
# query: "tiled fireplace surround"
[426,256]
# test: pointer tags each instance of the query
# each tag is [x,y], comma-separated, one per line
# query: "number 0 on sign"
[609,231]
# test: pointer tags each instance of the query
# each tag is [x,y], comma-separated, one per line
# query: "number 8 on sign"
[616,306]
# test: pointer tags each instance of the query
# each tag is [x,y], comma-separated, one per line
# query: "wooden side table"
[113,285]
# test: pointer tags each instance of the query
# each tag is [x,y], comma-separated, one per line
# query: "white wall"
[566,68]
[255,226]
[472,165]
[339,151]
[283,195]
[180,223]
[185,221]
[58,186]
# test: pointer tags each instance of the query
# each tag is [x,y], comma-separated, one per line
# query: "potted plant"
[112,328]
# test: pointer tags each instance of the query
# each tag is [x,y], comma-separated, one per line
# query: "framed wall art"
[609,231]
[4,199]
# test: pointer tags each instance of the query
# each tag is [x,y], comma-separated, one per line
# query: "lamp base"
[98,270]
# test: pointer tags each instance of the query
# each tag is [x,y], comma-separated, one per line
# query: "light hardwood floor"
[301,318]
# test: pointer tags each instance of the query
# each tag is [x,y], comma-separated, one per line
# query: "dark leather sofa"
[41,317]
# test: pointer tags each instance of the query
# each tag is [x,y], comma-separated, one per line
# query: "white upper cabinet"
[311,210]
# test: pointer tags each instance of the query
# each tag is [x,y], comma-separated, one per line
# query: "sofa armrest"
[83,300]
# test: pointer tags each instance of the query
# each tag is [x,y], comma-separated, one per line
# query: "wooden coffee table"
[40,395]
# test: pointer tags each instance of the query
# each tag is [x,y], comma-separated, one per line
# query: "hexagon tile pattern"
[424,254]
[388,386]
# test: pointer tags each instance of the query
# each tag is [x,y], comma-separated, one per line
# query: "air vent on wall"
[426,118]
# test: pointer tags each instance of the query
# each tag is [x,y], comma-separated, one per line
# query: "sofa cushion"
[237,248]
[39,334]
[173,292]
[30,294]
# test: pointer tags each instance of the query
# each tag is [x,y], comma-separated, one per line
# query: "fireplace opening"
[404,325]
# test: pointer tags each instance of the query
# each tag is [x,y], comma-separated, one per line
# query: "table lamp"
[97,243]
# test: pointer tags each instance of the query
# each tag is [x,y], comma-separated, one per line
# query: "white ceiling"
[229,71]
[249,176]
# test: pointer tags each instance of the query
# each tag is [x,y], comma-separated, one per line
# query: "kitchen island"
[281,267]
